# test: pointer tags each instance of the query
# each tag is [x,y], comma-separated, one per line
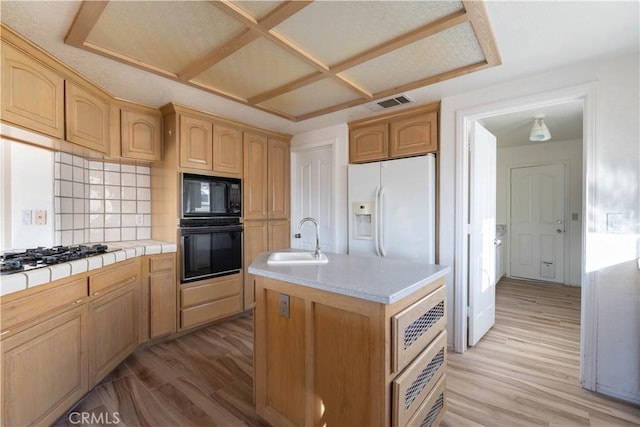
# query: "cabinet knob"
[95,294]
[4,332]
[78,302]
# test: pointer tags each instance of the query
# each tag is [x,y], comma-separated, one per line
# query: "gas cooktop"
[14,262]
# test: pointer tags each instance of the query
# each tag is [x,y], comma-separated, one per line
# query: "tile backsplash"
[99,201]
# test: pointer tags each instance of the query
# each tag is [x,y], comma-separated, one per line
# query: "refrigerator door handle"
[381,222]
[376,212]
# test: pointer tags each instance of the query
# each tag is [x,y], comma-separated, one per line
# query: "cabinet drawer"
[161,263]
[412,386]
[211,311]
[415,327]
[34,305]
[113,278]
[211,291]
[433,408]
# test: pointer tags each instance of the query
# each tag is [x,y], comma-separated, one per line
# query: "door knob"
[558,231]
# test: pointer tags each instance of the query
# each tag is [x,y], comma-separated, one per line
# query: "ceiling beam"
[482,27]
[418,34]
[403,40]
[217,54]
[265,28]
[84,21]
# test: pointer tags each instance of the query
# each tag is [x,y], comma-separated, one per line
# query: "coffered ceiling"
[295,59]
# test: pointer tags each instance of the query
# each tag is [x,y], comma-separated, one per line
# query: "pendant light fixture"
[539,131]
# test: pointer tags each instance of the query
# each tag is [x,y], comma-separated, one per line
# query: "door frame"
[587,93]
[566,272]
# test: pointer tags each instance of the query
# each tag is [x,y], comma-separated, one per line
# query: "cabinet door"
[279,161]
[369,144]
[256,239]
[32,94]
[162,296]
[414,135]
[254,187]
[141,135]
[114,330]
[227,151]
[87,118]
[279,235]
[44,369]
[196,143]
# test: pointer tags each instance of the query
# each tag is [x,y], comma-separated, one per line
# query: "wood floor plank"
[524,372]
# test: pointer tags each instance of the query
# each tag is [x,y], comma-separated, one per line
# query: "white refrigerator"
[392,208]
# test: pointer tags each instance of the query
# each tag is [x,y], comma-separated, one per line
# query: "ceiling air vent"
[390,102]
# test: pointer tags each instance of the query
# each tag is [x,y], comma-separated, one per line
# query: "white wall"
[570,154]
[339,136]
[28,180]
[616,178]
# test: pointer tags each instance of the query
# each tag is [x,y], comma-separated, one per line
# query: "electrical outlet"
[26,217]
[284,305]
[41,217]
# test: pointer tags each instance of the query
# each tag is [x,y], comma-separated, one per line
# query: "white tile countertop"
[374,279]
[118,251]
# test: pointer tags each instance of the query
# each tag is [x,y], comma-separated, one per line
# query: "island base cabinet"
[327,359]
[44,369]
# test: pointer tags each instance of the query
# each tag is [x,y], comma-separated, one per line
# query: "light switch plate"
[26,217]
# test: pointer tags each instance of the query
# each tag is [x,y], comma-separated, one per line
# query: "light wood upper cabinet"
[227,150]
[140,134]
[87,118]
[196,142]
[405,133]
[414,135]
[32,94]
[279,165]
[369,144]
[255,187]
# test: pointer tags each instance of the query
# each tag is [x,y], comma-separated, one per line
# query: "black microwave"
[205,196]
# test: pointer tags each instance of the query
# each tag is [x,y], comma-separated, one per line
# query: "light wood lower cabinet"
[262,236]
[210,300]
[44,368]
[329,359]
[113,313]
[158,303]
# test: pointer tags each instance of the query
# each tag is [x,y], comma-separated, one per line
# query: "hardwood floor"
[524,372]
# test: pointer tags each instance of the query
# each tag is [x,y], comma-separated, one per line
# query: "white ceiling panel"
[446,51]
[258,67]
[355,26]
[155,33]
[318,95]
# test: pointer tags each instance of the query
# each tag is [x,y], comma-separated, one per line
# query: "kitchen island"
[359,341]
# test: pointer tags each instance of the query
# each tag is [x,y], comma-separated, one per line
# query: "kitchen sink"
[297,258]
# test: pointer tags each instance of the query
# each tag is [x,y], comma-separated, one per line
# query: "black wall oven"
[210,248]
[210,228]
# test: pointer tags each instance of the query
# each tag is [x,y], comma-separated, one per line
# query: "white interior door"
[314,187]
[482,229]
[537,222]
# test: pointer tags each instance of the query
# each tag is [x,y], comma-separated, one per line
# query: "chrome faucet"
[297,235]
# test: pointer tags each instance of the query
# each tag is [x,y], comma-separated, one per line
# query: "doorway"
[465,119]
